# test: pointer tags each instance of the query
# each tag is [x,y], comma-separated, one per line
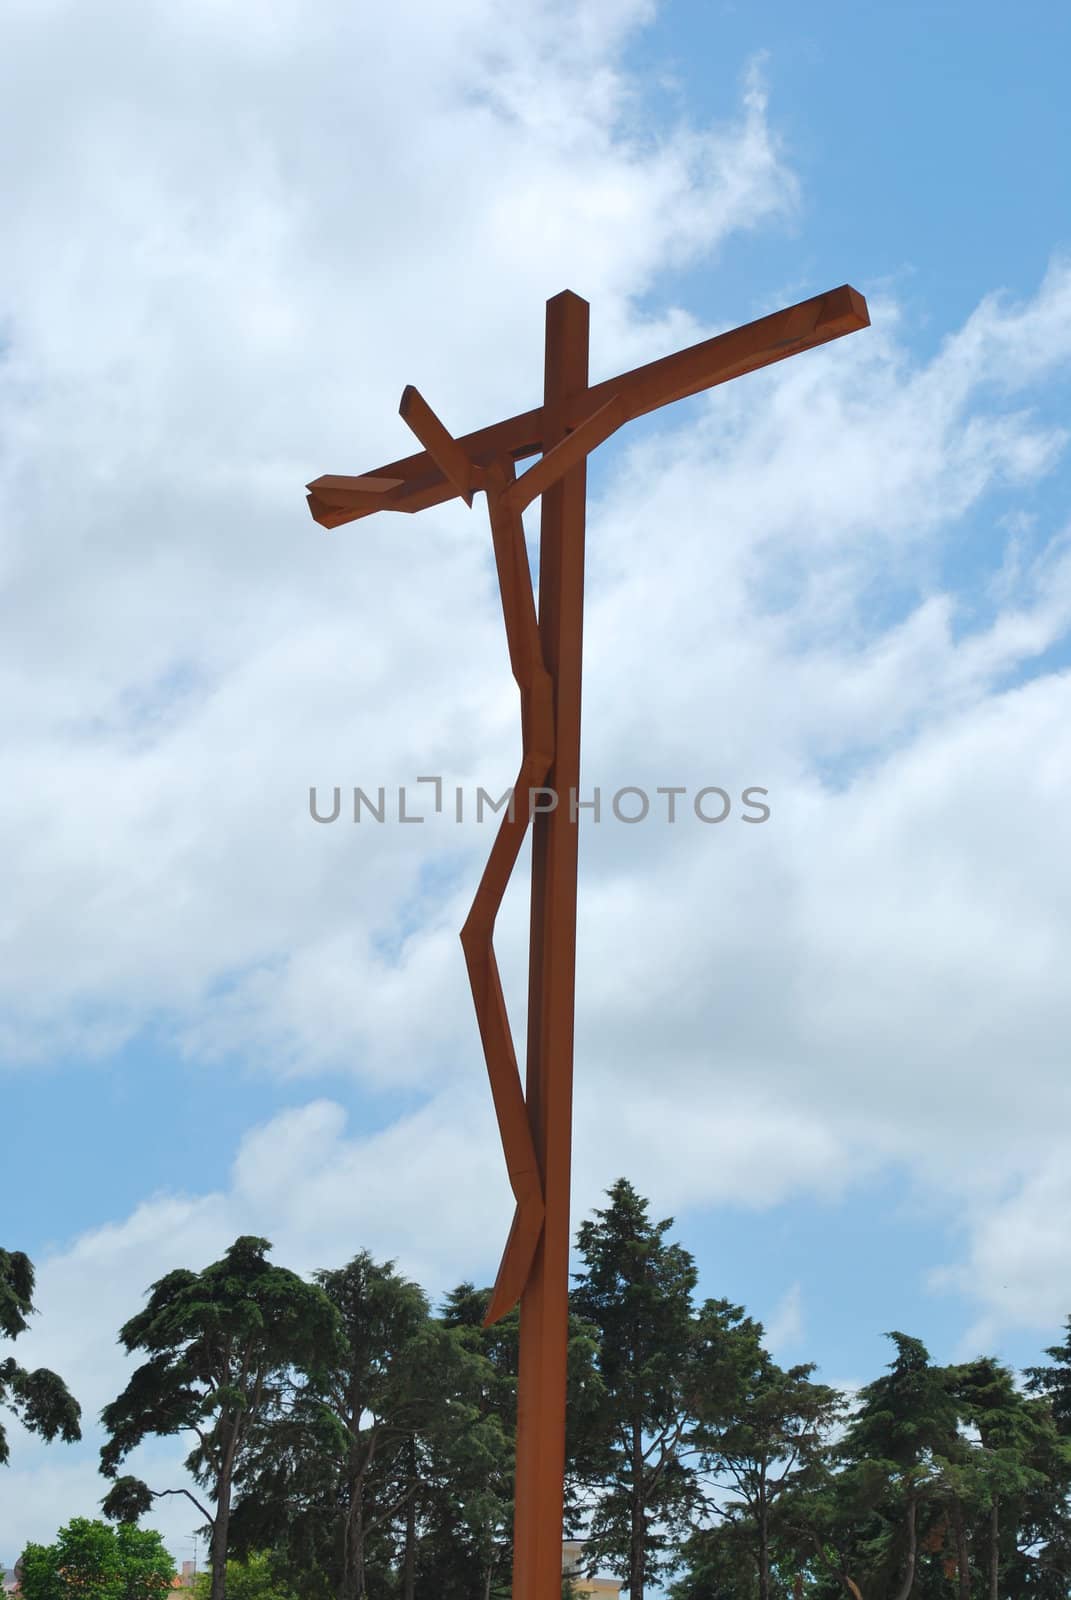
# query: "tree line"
[350,1444]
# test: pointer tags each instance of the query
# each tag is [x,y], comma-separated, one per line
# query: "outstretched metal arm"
[422,480]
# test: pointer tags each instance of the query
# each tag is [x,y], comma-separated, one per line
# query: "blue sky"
[834,1051]
[930,141]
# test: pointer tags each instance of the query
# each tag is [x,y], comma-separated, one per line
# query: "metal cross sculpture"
[545,657]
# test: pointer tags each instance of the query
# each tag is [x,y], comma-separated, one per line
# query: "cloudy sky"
[833,1046]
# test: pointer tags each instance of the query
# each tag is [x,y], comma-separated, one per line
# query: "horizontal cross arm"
[355,497]
[644,389]
[730,355]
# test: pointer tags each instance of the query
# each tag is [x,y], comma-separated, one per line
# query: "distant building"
[572,1555]
[11,1578]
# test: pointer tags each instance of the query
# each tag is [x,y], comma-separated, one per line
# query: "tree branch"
[158,1494]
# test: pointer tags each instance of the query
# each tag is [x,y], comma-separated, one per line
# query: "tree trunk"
[764,1540]
[904,1591]
[351,1586]
[219,1545]
[221,1521]
[994,1550]
[409,1563]
[963,1565]
[636,1543]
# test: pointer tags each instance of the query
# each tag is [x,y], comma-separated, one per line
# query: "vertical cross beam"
[552,962]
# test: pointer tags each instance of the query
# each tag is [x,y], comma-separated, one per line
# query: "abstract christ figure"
[545,647]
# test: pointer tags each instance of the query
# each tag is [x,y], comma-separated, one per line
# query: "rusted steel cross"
[545,656]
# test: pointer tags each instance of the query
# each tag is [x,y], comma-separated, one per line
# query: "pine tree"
[904,1430]
[636,1292]
[762,1432]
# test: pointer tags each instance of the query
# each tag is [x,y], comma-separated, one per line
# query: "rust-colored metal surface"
[545,656]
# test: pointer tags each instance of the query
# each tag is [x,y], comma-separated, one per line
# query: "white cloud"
[1018,1264]
[784,1329]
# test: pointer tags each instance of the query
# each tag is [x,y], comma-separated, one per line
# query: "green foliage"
[1054,1383]
[16,1292]
[94,1561]
[128,1500]
[146,1565]
[40,1399]
[467,1523]
[718,1565]
[256,1578]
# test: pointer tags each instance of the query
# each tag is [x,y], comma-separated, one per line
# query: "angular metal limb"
[537,755]
[455,464]
[477,936]
[577,444]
